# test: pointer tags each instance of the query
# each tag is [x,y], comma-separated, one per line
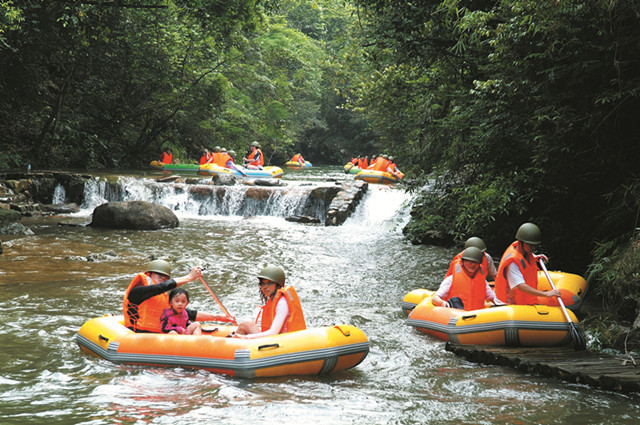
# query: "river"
[356,274]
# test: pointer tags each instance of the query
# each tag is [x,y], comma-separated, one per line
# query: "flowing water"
[356,274]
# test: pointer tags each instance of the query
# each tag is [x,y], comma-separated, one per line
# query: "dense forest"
[514,110]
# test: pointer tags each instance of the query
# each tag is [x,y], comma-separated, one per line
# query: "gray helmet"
[231,153]
[477,242]
[529,233]
[273,273]
[472,254]
[216,149]
[223,149]
[256,144]
[159,266]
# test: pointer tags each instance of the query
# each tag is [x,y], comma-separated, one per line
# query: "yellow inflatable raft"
[572,287]
[377,177]
[512,325]
[311,351]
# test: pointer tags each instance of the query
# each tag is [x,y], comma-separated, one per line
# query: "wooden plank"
[601,370]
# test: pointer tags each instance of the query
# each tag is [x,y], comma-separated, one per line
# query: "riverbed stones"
[345,202]
[135,215]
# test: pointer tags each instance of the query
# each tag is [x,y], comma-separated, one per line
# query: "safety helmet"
[472,254]
[232,153]
[391,158]
[159,266]
[385,157]
[223,149]
[216,149]
[273,273]
[477,242]
[256,144]
[529,233]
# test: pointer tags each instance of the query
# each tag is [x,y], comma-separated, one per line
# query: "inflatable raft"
[377,177]
[572,287]
[296,164]
[349,168]
[188,168]
[266,172]
[511,325]
[311,351]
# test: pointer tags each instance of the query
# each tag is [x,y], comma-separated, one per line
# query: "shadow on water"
[356,273]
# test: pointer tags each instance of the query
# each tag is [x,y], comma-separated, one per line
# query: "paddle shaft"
[562,307]
[226,312]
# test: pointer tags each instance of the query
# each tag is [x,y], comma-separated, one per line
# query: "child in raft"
[175,319]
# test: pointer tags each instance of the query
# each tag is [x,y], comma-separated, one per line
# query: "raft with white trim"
[296,164]
[510,325]
[266,172]
[311,351]
[377,177]
[572,287]
[186,168]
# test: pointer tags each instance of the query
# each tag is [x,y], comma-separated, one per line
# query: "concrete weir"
[345,202]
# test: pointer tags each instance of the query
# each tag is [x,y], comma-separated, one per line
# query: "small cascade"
[197,200]
[59,195]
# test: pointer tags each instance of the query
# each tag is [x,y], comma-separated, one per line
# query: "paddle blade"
[579,342]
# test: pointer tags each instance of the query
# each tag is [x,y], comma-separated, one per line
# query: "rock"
[60,208]
[302,219]
[136,215]
[268,182]
[8,216]
[223,180]
[167,179]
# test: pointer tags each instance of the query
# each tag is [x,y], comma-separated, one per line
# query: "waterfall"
[59,195]
[188,200]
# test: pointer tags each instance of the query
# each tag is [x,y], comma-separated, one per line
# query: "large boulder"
[136,215]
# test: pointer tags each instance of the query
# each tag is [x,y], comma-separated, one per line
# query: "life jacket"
[252,155]
[381,164]
[470,289]
[484,265]
[363,163]
[145,316]
[166,158]
[529,271]
[172,321]
[204,159]
[295,321]
[295,157]
[222,159]
[354,161]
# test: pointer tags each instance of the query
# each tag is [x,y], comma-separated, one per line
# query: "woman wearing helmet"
[231,157]
[146,297]
[517,279]
[281,311]
[466,288]
[254,160]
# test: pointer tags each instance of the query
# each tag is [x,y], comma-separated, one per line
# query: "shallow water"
[356,273]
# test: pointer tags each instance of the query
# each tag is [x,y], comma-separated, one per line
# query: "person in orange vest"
[466,288]
[394,168]
[166,157]
[363,163]
[205,157]
[214,157]
[517,278]
[298,158]
[382,164]
[146,298]
[255,159]
[231,157]
[487,264]
[281,311]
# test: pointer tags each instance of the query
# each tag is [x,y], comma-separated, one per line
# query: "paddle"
[579,342]
[226,312]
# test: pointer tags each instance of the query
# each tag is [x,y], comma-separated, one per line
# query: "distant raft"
[377,177]
[185,168]
[510,325]
[266,172]
[312,351]
[350,168]
[296,164]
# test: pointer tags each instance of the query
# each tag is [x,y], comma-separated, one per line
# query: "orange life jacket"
[363,163]
[221,159]
[381,164]
[253,154]
[296,157]
[166,158]
[204,159]
[471,290]
[484,265]
[529,271]
[354,161]
[145,316]
[295,322]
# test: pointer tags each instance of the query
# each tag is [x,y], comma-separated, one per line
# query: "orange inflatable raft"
[378,177]
[511,325]
[311,351]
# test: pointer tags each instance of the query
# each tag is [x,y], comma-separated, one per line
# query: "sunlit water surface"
[356,273]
